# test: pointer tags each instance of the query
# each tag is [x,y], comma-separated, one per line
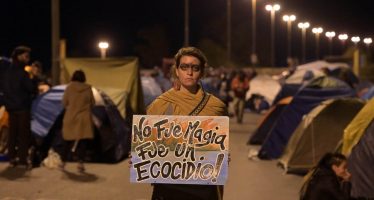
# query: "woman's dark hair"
[20,50]
[79,76]
[330,159]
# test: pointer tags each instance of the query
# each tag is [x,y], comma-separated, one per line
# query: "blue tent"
[286,91]
[112,132]
[308,97]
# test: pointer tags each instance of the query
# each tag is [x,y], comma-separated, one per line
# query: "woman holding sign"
[187,98]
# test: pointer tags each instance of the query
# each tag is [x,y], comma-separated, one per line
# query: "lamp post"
[355,40]
[330,35]
[289,19]
[317,31]
[303,26]
[368,42]
[254,59]
[103,46]
[228,29]
[186,23]
[272,9]
[343,38]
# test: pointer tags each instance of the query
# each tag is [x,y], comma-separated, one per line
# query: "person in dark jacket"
[19,90]
[329,180]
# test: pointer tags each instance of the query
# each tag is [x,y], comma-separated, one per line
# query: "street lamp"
[317,32]
[330,35]
[254,59]
[272,9]
[103,48]
[343,38]
[368,41]
[186,23]
[355,40]
[303,26]
[289,19]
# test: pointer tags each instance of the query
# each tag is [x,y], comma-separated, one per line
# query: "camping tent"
[112,132]
[150,88]
[116,77]
[308,97]
[265,86]
[268,121]
[360,165]
[354,131]
[320,132]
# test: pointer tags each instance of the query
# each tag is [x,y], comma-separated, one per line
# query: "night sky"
[154,29]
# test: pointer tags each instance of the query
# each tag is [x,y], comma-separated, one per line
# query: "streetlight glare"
[276,7]
[269,7]
[330,34]
[103,45]
[303,25]
[317,30]
[355,39]
[368,41]
[287,18]
[343,36]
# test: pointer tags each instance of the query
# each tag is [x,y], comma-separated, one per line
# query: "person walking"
[187,98]
[240,86]
[19,90]
[77,128]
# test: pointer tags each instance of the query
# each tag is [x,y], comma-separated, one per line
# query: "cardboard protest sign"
[179,149]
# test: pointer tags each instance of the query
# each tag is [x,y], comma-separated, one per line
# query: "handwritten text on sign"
[179,149]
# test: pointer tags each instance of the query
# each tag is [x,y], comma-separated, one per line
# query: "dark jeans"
[19,136]
[80,150]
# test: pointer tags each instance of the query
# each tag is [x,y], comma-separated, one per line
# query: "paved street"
[248,179]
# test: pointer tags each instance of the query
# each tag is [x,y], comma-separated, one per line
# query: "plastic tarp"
[303,102]
[265,86]
[116,77]
[354,131]
[360,165]
[320,132]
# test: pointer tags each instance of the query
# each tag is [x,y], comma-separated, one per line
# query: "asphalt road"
[248,179]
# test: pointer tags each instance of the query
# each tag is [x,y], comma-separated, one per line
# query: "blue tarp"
[303,102]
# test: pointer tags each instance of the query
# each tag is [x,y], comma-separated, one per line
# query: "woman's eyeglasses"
[185,67]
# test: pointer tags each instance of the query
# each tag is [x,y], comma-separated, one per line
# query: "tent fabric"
[265,86]
[112,132]
[45,110]
[360,165]
[320,132]
[150,88]
[287,90]
[354,131]
[116,77]
[301,75]
[369,94]
[268,121]
[319,64]
[303,102]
